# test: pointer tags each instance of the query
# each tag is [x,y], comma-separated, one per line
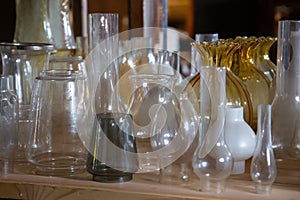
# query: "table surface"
[23,185]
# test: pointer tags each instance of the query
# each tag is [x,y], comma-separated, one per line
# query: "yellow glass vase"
[220,53]
[257,83]
[263,63]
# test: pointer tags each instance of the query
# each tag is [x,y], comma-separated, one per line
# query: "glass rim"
[60,74]
[28,46]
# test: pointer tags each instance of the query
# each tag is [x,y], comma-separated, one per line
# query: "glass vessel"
[285,106]
[24,61]
[212,160]
[220,53]
[158,115]
[155,14]
[44,21]
[256,82]
[263,62]
[112,145]
[263,165]
[54,146]
[9,113]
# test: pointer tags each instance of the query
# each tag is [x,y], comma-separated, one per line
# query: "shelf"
[22,185]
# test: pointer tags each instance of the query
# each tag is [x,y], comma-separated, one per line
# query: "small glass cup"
[54,146]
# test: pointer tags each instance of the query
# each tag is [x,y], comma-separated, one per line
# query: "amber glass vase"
[220,53]
[263,63]
[256,82]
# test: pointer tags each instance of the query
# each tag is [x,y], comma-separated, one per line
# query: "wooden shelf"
[22,185]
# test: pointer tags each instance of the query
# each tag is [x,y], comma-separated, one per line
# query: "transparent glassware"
[158,115]
[263,164]
[9,114]
[24,61]
[112,144]
[286,100]
[220,53]
[44,22]
[206,37]
[155,14]
[54,147]
[212,160]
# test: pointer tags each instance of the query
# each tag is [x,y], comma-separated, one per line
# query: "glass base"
[263,188]
[52,164]
[213,186]
[112,179]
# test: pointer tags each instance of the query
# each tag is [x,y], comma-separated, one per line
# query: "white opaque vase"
[239,137]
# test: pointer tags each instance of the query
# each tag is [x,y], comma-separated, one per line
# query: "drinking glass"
[54,146]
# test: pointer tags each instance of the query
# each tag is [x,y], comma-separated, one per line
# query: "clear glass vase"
[285,106]
[263,164]
[212,160]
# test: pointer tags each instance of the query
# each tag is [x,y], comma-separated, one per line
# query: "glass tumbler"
[54,146]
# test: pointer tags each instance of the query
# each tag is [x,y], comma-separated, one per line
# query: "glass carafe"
[24,61]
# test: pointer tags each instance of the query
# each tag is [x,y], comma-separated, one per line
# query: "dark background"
[229,18]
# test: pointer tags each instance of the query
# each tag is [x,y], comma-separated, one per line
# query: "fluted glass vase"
[263,62]
[256,82]
[220,53]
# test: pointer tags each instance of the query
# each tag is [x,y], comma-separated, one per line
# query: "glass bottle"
[24,61]
[263,164]
[212,160]
[9,114]
[285,106]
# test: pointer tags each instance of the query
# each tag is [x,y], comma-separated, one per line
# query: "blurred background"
[229,18]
